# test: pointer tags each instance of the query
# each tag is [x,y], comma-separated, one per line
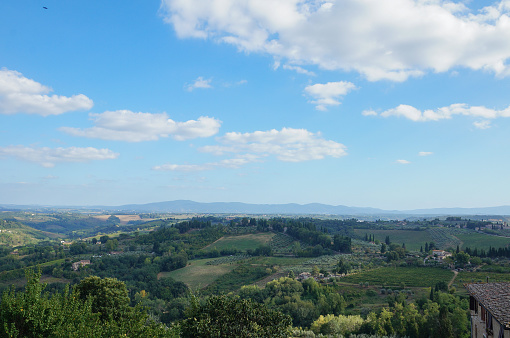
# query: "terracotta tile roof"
[495,297]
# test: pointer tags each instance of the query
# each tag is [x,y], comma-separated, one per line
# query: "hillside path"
[455,273]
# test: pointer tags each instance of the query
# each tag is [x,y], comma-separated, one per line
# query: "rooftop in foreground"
[495,297]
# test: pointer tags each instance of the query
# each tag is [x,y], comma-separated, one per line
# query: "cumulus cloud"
[19,94]
[379,39]
[125,125]
[425,153]
[200,83]
[328,94]
[288,144]
[48,157]
[402,161]
[414,114]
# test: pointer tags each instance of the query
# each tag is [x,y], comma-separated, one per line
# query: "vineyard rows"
[228,259]
[281,243]
[444,238]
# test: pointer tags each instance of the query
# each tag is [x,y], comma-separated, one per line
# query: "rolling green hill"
[14,234]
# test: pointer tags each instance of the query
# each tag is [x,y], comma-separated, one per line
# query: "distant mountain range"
[184,206]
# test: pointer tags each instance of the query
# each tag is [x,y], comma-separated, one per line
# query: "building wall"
[478,329]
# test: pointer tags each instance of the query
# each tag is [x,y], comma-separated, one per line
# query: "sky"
[393,104]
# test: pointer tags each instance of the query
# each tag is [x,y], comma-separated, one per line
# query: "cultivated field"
[124,219]
[412,238]
[280,261]
[443,238]
[481,241]
[477,277]
[242,242]
[395,276]
[198,274]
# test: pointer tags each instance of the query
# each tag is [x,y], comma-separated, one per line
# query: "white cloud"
[328,94]
[299,70]
[232,163]
[182,167]
[19,94]
[237,83]
[200,83]
[125,125]
[48,157]
[448,112]
[485,124]
[425,153]
[288,144]
[402,161]
[379,39]
[369,113]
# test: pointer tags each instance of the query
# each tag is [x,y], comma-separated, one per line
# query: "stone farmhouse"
[440,254]
[79,264]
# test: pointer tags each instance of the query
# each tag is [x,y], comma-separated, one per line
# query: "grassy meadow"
[242,242]
[198,274]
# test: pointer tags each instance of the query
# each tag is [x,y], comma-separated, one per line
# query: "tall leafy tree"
[109,296]
[227,316]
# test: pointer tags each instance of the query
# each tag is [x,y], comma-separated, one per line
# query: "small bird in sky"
[45,7]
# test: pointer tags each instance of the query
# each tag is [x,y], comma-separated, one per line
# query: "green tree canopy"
[35,313]
[109,296]
[227,316]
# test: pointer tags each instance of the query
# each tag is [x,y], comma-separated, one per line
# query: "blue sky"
[396,104]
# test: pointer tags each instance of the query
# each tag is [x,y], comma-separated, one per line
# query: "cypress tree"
[445,324]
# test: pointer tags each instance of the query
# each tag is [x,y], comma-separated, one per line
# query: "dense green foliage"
[226,316]
[303,301]
[34,313]
[109,296]
[443,317]
[313,233]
